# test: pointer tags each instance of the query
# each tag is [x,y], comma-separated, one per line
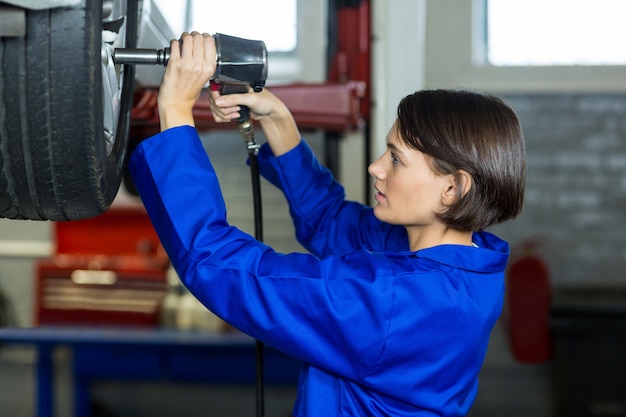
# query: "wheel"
[65,111]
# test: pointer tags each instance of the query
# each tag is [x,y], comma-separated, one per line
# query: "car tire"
[56,161]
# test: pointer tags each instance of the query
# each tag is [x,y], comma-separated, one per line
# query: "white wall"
[398,54]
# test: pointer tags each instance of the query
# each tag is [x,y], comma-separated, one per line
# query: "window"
[276,25]
[556,32]
[293,30]
[456,49]
[250,19]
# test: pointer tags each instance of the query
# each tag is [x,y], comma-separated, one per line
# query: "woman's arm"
[325,223]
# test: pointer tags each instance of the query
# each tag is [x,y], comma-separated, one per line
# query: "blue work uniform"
[382,330]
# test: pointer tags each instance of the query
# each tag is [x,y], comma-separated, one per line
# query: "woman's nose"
[374,169]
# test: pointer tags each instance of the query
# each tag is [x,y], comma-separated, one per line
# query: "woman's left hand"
[189,69]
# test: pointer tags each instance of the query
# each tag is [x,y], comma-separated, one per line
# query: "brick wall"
[576,191]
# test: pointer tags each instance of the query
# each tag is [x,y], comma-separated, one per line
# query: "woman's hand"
[189,69]
[262,104]
[271,113]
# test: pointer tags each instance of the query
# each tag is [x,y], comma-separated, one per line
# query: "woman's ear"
[457,186]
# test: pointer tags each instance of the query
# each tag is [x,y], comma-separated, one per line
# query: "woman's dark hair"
[472,132]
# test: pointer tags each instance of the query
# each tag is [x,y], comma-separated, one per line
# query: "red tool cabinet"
[107,270]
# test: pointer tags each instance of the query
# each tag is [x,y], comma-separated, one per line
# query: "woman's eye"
[394,159]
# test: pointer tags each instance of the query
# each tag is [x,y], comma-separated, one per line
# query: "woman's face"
[408,191]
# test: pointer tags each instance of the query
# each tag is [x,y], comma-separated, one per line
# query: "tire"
[56,160]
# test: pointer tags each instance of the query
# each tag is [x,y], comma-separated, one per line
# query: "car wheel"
[65,111]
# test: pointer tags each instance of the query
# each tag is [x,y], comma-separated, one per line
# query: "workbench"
[148,355]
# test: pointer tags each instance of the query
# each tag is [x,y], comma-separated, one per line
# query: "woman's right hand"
[271,113]
[226,107]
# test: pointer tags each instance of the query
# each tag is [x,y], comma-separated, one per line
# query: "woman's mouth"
[379,196]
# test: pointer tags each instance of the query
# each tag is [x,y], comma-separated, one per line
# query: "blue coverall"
[382,330]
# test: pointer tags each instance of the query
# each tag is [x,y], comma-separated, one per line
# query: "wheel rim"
[114,14]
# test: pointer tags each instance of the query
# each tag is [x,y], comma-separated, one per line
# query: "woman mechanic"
[392,310]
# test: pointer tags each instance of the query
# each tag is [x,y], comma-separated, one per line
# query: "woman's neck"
[422,237]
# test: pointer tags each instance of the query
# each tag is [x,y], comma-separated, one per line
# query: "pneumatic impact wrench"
[241,63]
